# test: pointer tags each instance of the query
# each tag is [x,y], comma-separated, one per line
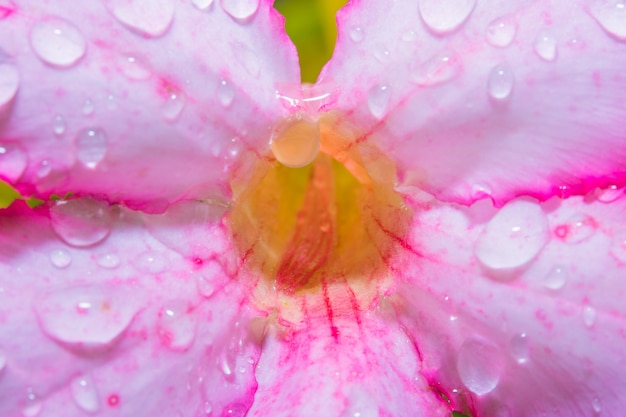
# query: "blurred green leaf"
[8,195]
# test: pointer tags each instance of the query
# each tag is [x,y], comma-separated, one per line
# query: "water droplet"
[177,325]
[60,258]
[44,169]
[58,125]
[202,4]
[86,316]
[240,9]
[57,42]
[356,34]
[111,103]
[9,82]
[611,15]
[134,67]
[207,280]
[207,408]
[381,54]
[109,261]
[13,161]
[295,141]
[440,68]
[597,407]
[225,93]
[151,263]
[480,365]
[545,46]
[378,100]
[82,221]
[91,147]
[151,18]
[610,194]
[501,31]
[88,107]
[556,278]
[32,410]
[173,106]
[589,315]
[519,348]
[227,365]
[85,394]
[618,247]
[577,229]
[235,410]
[500,82]
[444,16]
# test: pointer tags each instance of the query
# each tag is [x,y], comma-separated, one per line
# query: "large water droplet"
[597,407]
[480,365]
[82,221]
[444,16]
[610,194]
[13,161]
[32,410]
[151,262]
[514,236]
[589,315]
[85,316]
[556,278]
[295,142]
[519,347]
[545,46]
[611,15]
[91,147]
[577,229]
[202,4]
[173,106]
[440,68]
[9,82]
[57,42]
[225,93]
[85,394]
[356,34]
[60,258]
[378,100]
[109,261]
[177,325]
[134,67]
[501,31]
[500,82]
[151,18]
[58,125]
[240,9]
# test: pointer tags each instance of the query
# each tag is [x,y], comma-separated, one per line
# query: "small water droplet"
[173,106]
[241,10]
[556,278]
[151,263]
[378,100]
[356,34]
[409,36]
[519,347]
[177,325]
[480,365]
[13,161]
[501,31]
[9,82]
[513,237]
[545,46]
[111,102]
[227,365]
[440,68]
[82,221]
[44,168]
[610,194]
[207,280]
[589,315]
[88,107]
[85,394]
[58,125]
[109,261]
[207,408]
[134,67]
[235,410]
[597,407]
[576,229]
[150,18]
[57,42]
[444,16]
[500,82]
[91,147]
[611,15]
[202,4]
[60,258]
[225,93]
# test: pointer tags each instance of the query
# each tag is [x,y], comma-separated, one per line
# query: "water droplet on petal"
[295,142]
[109,261]
[85,394]
[501,31]
[13,161]
[151,18]
[44,169]
[440,68]
[85,316]
[82,221]
[519,348]
[409,36]
[589,316]
[597,407]
[3,360]
[610,194]
[111,103]
[225,93]
[57,42]
[611,15]
[209,278]
[32,410]
[91,147]
[240,9]
[88,107]
[545,46]
[500,82]
[356,34]
[151,263]
[480,365]
[60,258]
[9,82]
[134,68]
[177,325]
[577,229]
[513,237]
[173,106]
[378,100]
[444,16]
[58,125]
[202,4]
[556,278]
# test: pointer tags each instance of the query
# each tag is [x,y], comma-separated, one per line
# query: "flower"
[486,277]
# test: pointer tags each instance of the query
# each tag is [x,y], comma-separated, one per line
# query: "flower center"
[333,221]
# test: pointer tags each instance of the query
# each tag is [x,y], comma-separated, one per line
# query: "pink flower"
[171,284]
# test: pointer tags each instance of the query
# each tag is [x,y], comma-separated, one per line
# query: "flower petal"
[142,102]
[481,97]
[124,326]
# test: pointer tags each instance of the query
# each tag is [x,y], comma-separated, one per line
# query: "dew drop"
[378,100]
[177,325]
[440,68]
[610,194]
[556,278]
[480,365]
[88,107]
[519,347]
[9,82]
[500,82]
[597,407]
[444,16]
[241,10]
[225,93]
[618,247]
[111,103]
[409,36]
[513,237]
[173,106]
[91,147]
[85,316]
[150,18]
[235,410]
[295,142]
[611,15]
[151,263]
[32,410]
[58,125]
[577,229]
[134,68]
[85,394]
[57,42]
[545,46]
[44,168]
[501,31]
[60,258]
[82,221]
[202,4]
[589,316]
[13,161]
[356,34]
[208,279]
[109,261]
